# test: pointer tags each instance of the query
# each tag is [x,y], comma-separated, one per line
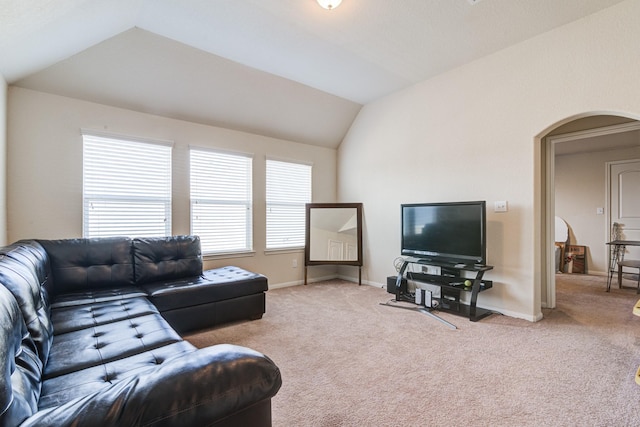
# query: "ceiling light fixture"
[329,4]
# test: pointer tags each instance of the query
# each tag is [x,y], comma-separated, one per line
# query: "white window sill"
[283,251]
[224,255]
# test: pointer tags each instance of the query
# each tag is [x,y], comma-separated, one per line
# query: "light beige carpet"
[346,360]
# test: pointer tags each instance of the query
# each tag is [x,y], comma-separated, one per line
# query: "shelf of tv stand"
[451,283]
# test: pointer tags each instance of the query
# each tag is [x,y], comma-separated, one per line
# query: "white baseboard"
[502,311]
[301,282]
[364,282]
[514,314]
[286,284]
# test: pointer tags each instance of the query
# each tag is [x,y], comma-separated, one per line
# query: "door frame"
[549,144]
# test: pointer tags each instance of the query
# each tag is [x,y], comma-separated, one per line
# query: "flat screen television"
[453,232]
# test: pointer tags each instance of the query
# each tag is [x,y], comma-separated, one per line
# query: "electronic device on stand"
[448,241]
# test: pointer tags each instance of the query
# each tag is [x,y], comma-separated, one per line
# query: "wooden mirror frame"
[307,248]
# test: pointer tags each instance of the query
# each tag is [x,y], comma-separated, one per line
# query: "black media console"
[451,281]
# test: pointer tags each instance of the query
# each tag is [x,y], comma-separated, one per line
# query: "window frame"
[247,202]
[125,187]
[298,238]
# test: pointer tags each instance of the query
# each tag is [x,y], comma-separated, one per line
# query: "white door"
[625,202]
[352,252]
[335,250]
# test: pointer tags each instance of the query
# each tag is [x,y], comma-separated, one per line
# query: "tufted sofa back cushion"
[20,368]
[166,258]
[21,279]
[81,264]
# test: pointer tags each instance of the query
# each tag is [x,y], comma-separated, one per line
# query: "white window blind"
[288,190]
[126,187]
[221,201]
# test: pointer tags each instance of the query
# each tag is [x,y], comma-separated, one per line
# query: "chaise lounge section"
[169,271]
[83,342]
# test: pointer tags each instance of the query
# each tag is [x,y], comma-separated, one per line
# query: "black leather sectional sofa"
[89,336]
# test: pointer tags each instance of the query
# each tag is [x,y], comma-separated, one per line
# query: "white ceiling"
[281,68]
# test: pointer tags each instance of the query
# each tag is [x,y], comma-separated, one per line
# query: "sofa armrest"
[194,389]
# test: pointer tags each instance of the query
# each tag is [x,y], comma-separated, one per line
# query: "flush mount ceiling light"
[329,4]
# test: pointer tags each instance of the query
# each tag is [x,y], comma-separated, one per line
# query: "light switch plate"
[500,206]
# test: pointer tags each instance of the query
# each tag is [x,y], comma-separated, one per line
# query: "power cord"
[398,263]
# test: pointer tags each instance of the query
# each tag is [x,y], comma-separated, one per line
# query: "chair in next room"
[630,263]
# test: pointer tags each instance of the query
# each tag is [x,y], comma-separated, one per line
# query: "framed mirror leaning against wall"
[333,235]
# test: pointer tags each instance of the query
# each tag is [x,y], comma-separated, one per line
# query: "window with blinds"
[126,187]
[221,201]
[288,190]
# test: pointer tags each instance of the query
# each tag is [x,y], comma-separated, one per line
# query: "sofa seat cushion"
[93,296]
[61,389]
[100,344]
[74,317]
[212,286]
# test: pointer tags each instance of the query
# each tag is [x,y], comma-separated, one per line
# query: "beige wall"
[473,134]
[3,161]
[45,170]
[580,188]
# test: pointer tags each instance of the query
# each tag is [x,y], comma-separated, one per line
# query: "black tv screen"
[445,232]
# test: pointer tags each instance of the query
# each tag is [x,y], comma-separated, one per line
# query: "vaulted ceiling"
[281,68]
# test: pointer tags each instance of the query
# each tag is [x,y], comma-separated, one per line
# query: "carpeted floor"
[346,360]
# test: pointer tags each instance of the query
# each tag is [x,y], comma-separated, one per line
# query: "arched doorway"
[572,135]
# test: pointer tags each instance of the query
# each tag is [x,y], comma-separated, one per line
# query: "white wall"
[3,161]
[45,170]
[470,134]
[580,188]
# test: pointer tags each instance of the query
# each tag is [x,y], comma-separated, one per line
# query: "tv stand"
[451,282]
